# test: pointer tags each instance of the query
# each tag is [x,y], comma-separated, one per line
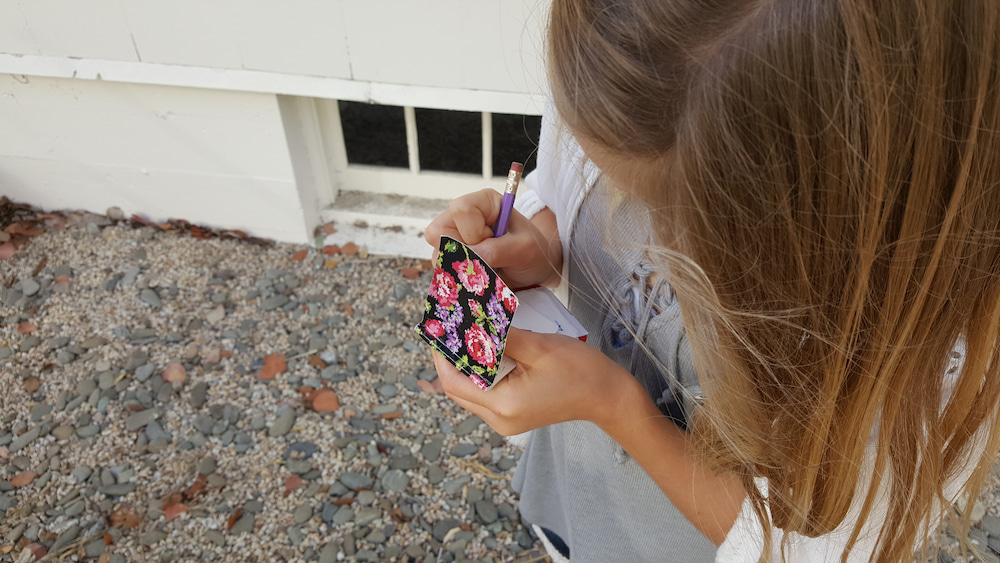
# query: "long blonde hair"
[824,178]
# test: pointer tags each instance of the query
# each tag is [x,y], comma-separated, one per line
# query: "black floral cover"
[468,312]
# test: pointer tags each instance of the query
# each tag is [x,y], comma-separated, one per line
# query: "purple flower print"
[453,342]
[497,315]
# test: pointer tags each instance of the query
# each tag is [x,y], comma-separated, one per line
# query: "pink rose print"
[434,328]
[480,346]
[472,275]
[476,308]
[479,381]
[506,295]
[444,288]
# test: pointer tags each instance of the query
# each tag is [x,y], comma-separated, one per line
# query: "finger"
[525,346]
[454,382]
[475,214]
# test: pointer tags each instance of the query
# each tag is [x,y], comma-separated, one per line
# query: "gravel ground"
[135,424]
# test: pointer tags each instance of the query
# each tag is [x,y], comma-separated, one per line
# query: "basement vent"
[440,140]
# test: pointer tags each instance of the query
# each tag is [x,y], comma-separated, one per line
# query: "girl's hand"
[528,254]
[557,379]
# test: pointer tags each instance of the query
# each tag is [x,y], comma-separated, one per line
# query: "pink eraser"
[517,167]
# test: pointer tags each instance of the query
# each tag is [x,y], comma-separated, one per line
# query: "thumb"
[524,346]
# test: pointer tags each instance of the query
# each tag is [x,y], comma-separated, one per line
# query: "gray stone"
[207,466]
[5,352]
[344,515]
[468,425]
[75,509]
[354,481]
[64,357]
[118,490]
[29,342]
[152,537]
[231,414]
[317,342]
[366,515]
[298,466]
[12,297]
[95,548]
[508,512]
[464,449]
[367,498]
[143,372]
[130,276]
[106,380]
[302,450]
[88,431]
[136,359]
[39,411]
[258,422]
[203,424]
[24,439]
[328,512]
[199,394]
[442,528]
[453,486]
[107,478]
[151,298]
[139,419]
[486,511]
[6,503]
[216,537]
[435,474]
[295,535]
[274,302]
[404,463]
[387,391]
[302,514]
[155,432]
[29,287]
[329,356]
[992,525]
[16,533]
[81,474]
[506,463]
[244,525]
[282,424]
[431,449]
[64,432]
[93,342]
[57,343]
[395,481]
[65,539]
[329,553]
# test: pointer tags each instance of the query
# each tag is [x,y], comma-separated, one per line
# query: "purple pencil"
[507,203]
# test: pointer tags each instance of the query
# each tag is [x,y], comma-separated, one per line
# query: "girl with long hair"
[780,222]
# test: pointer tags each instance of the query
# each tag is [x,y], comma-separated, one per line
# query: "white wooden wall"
[219,111]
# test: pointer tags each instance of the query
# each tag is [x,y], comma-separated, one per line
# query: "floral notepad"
[468,312]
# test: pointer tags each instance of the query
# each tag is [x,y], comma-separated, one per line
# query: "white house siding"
[210,157]
[200,109]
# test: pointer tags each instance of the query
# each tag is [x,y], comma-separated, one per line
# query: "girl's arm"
[560,379]
[710,501]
